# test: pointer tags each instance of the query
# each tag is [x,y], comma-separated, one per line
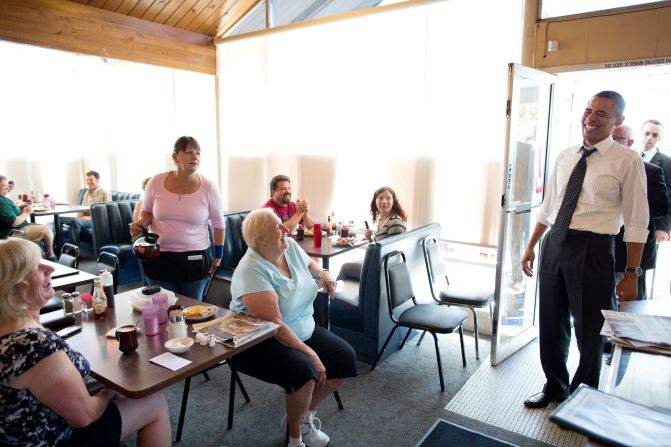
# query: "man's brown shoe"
[541,400]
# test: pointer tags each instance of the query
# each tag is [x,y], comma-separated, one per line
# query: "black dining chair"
[110,262]
[404,310]
[472,296]
[69,256]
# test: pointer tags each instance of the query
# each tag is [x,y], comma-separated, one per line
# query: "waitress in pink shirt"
[178,205]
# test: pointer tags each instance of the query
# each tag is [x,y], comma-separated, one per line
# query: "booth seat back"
[111,234]
[366,324]
[116,196]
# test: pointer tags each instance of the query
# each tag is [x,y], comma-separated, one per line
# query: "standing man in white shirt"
[593,189]
[651,133]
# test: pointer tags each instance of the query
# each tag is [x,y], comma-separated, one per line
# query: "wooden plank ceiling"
[211,17]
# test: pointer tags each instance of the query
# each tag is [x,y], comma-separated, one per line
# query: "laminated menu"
[235,329]
[612,420]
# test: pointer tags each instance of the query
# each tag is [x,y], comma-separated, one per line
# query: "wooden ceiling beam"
[70,26]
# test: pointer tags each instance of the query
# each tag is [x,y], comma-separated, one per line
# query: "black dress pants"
[576,279]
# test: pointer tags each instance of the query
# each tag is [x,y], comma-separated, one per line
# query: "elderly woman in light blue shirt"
[274,281]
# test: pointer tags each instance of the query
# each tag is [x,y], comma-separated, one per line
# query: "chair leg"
[475,332]
[231,400]
[419,342]
[337,398]
[384,347]
[206,376]
[405,338]
[461,339]
[440,365]
[240,385]
[182,411]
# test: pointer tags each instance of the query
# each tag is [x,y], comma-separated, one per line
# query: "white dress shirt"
[647,155]
[614,192]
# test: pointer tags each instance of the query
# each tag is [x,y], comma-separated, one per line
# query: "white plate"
[138,299]
[211,311]
[178,345]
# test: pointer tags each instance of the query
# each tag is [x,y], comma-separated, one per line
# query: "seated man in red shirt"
[290,213]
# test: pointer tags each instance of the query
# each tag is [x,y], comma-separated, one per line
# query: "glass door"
[525,161]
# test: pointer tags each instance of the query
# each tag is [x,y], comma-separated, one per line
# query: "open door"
[524,163]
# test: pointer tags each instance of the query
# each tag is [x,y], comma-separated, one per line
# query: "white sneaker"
[311,435]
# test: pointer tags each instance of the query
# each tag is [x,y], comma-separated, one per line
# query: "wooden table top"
[133,375]
[328,248]
[66,282]
[61,209]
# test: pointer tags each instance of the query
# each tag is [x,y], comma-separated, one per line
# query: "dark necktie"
[571,195]
[643,155]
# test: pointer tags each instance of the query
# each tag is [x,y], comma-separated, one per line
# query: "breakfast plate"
[344,242]
[199,313]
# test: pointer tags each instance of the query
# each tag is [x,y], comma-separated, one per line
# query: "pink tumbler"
[150,317]
[317,235]
[162,300]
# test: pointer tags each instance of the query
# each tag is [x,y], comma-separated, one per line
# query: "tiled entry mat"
[495,395]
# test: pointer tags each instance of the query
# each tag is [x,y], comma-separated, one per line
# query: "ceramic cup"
[127,336]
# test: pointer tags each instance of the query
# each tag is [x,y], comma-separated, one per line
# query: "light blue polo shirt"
[296,294]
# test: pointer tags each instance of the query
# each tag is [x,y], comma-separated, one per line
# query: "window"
[557,8]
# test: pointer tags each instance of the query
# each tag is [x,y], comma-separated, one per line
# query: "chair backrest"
[110,223]
[399,284]
[218,291]
[16,233]
[69,255]
[234,245]
[435,266]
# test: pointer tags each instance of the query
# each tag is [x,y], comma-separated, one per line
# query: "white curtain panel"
[63,114]
[411,96]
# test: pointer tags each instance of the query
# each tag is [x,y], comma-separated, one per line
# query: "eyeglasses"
[621,139]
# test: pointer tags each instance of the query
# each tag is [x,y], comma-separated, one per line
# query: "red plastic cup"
[317,236]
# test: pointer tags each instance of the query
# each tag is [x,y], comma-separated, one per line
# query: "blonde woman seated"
[43,398]
[274,281]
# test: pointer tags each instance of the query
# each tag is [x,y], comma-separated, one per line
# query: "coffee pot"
[146,247]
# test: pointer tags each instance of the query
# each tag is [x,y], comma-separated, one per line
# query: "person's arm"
[54,378]
[324,277]
[144,222]
[635,212]
[529,254]
[219,236]
[301,213]
[627,288]
[658,199]
[265,305]
[25,214]
[136,211]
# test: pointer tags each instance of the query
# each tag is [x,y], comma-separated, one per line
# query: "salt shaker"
[211,341]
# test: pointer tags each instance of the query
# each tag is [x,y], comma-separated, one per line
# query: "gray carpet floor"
[395,405]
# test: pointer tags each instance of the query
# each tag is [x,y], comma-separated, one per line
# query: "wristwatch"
[637,271]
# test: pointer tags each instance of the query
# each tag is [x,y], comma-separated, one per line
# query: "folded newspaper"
[638,331]
[235,329]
